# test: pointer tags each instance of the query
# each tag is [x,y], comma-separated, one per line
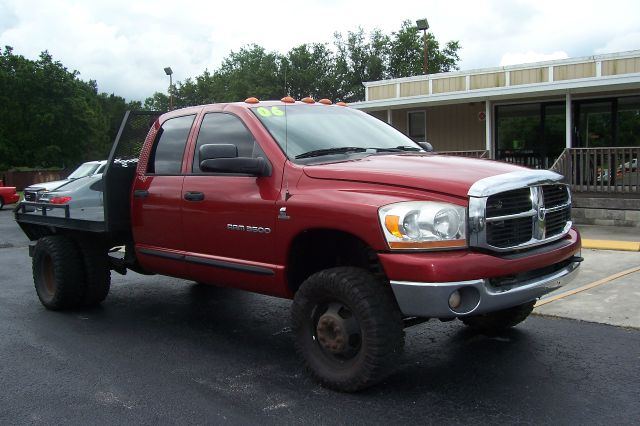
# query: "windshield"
[304,129]
[84,170]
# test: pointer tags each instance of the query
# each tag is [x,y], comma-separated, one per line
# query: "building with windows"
[579,116]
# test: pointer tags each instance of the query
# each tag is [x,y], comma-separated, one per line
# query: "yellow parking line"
[611,245]
[587,286]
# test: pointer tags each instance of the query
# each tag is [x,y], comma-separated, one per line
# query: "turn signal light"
[288,100]
[393,225]
[308,100]
[251,100]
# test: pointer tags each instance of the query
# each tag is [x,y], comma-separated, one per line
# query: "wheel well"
[319,249]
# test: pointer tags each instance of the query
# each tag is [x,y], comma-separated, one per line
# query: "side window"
[166,158]
[221,128]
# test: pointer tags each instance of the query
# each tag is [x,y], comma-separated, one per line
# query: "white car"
[90,168]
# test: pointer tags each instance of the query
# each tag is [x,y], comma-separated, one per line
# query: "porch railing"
[480,153]
[612,169]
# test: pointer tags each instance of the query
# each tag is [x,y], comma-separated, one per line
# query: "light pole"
[168,71]
[423,25]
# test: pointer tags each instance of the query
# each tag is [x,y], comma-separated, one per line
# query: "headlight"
[423,225]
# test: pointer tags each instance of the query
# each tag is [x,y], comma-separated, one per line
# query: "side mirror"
[426,146]
[223,158]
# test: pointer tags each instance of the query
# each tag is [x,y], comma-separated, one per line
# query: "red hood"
[436,173]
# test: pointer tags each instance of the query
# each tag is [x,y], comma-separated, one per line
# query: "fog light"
[455,300]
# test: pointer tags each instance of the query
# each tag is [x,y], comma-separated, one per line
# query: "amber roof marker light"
[325,101]
[341,104]
[308,100]
[251,100]
[288,100]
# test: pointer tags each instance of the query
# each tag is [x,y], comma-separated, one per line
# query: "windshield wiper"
[350,149]
[408,148]
[329,151]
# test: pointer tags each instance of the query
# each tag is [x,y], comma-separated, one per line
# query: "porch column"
[389,117]
[568,111]
[488,126]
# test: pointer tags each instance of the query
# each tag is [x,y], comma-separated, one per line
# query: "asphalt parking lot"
[166,351]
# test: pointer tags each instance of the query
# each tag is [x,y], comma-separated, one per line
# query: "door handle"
[140,193]
[194,196]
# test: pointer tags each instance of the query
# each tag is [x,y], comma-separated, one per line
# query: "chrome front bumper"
[431,300]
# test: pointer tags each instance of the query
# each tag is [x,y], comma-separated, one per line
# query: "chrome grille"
[30,196]
[507,233]
[519,218]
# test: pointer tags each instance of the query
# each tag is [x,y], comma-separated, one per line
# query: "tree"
[407,54]
[251,71]
[359,60]
[314,69]
[51,118]
[308,69]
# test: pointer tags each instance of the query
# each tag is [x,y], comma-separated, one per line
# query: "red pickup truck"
[8,195]
[364,229]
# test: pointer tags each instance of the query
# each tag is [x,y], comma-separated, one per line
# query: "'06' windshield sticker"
[274,111]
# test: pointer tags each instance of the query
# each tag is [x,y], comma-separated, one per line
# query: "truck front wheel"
[58,272]
[348,328]
[495,322]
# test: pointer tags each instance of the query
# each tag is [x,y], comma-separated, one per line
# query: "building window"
[531,135]
[417,126]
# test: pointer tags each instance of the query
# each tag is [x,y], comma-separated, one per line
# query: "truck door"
[156,205]
[228,219]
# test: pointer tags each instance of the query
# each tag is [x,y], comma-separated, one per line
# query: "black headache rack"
[118,177]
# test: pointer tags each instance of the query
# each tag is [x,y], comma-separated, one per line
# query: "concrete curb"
[611,245]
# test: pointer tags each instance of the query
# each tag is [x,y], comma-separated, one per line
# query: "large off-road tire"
[97,270]
[347,327]
[58,273]
[498,321]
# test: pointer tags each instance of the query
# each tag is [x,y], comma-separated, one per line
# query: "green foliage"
[315,69]
[51,118]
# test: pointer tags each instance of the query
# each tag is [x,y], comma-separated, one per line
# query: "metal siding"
[449,127]
[380,115]
[399,120]
[386,91]
[485,81]
[456,127]
[450,84]
[529,76]
[573,71]
[414,88]
[621,66]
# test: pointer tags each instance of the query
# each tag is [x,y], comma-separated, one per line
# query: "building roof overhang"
[592,85]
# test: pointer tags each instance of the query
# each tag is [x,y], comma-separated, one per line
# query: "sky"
[125,45]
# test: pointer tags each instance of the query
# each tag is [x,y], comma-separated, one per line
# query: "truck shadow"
[256,329]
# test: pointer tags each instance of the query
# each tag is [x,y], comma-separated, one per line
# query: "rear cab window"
[166,157]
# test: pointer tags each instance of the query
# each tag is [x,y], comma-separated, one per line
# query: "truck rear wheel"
[97,270]
[494,322]
[58,273]
[348,328]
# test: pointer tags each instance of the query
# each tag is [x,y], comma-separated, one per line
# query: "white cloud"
[513,58]
[621,43]
[124,45]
